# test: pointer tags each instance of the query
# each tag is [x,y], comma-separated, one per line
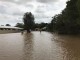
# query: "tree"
[70,17]
[28,20]
[42,25]
[68,21]
[8,25]
[20,25]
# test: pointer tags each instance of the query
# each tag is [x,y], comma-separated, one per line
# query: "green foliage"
[41,25]
[78,5]
[28,20]
[68,21]
[8,25]
[20,25]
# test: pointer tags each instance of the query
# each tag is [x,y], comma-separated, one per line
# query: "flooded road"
[39,46]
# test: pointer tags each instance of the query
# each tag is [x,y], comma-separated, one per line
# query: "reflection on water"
[28,46]
[39,46]
[69,45]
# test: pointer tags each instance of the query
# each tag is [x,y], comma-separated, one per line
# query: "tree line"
[68,22]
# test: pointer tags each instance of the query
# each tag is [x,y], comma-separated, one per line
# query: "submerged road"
[39,46]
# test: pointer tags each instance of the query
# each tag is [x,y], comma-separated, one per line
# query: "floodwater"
[39,46]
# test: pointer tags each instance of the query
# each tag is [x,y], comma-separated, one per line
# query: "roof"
[12,27]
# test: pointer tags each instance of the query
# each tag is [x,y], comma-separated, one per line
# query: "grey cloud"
[47,1]
[39,10]
[10,9]
[46,20]
[3,9]
[42,11]
[25,1]
[29,6]
[17,1]
[41,15]
[9,19]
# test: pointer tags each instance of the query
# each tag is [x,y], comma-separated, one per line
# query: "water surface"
[39,46]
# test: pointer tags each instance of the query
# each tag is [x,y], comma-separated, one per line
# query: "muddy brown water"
[39,46]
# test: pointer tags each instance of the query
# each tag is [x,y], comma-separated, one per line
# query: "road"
[39,46]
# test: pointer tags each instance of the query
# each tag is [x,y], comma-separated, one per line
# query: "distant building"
[9,29]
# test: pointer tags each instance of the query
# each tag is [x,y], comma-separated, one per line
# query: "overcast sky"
[12,11]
